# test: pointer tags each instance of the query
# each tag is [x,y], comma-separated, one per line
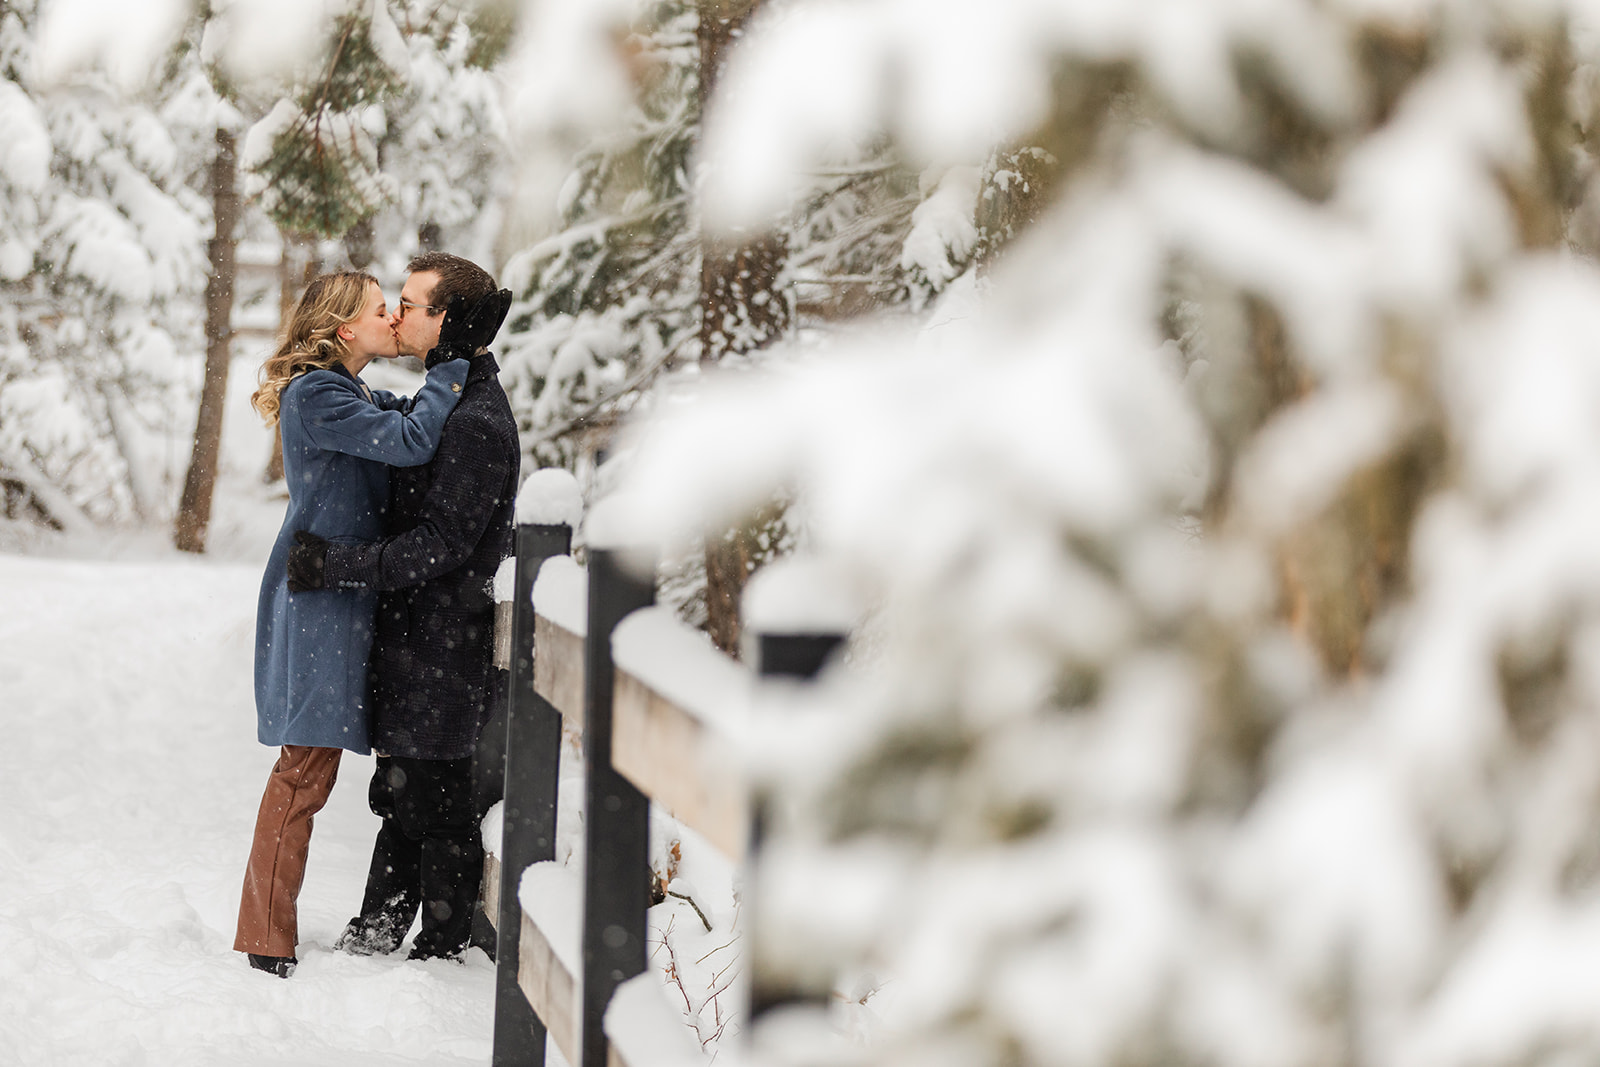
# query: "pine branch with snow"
[1229,696]
[312,160]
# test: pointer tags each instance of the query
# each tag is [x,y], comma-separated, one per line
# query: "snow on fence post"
[616,875]
[549,506]
[796,615]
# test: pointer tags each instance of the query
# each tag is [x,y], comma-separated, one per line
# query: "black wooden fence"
[533,995]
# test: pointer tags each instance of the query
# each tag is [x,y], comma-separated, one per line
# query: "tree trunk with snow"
[194,508]
[742,309]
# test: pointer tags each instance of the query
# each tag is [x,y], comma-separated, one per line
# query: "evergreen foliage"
[631,294]
[611,300]
[313,159]
[1229,692]
[103,243]
[102,259]
[443,147]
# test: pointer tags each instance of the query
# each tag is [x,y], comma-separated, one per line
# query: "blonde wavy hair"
[311,341]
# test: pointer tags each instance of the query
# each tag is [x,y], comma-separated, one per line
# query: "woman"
[339,440]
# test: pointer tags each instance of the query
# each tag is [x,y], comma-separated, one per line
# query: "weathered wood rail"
[644,741]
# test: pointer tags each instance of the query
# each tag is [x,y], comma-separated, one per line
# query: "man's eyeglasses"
[403,306]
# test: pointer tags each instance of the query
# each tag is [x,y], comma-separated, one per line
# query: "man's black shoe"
[361,938]
[418,952]
[281,966]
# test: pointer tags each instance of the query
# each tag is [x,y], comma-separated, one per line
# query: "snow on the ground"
[129,782]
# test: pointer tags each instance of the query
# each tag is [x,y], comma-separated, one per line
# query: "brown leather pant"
[296,790]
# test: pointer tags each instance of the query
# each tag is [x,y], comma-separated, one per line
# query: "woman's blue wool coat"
[312,648]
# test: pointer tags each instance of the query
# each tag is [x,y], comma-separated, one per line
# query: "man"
[433,683]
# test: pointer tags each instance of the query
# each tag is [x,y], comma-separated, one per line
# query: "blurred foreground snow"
[1235,535]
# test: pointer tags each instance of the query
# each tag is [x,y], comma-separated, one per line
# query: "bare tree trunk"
[731,560]
[194,508]
[742,308]
[727,570]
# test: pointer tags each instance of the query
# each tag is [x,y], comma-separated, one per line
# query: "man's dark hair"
[457,277]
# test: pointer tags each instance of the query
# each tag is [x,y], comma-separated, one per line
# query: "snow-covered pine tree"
[609,302]
[847,238]
[101,264]
[313,158]
[311,161]
[607,306]
[627,291]
[444,144]
[1230,695]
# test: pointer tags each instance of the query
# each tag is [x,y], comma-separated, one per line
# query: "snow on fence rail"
[657,709]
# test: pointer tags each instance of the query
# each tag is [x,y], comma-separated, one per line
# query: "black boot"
[452,867]
[389,902]
[363,936]
[280,966]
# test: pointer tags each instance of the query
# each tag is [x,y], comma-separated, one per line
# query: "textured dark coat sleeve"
[469,473]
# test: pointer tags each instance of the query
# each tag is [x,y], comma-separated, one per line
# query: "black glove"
[307,559]
[466,329]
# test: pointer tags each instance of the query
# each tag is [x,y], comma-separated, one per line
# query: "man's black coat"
[450,524]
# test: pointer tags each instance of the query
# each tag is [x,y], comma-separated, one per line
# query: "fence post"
[798,656]
[616,876]
[532,770]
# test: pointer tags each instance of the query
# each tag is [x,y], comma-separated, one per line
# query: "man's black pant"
[429,853]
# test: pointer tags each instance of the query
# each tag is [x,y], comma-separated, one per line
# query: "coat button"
[455,387]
